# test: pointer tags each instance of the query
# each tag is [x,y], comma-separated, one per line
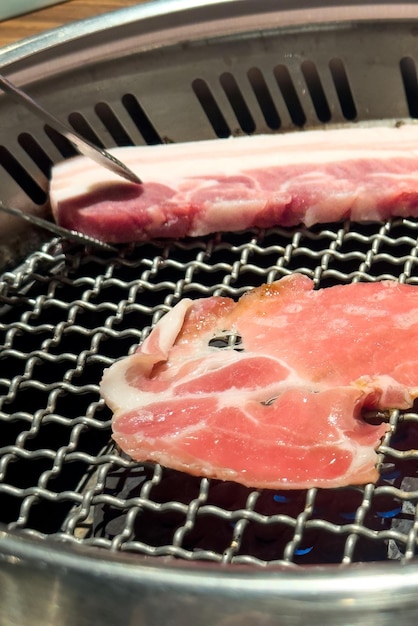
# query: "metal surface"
[51,227]
[83,525]
[101,156]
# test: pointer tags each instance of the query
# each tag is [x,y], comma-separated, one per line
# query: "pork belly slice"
[196,188]
[270,391]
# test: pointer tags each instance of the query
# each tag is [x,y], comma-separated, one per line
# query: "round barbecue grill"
[86,535]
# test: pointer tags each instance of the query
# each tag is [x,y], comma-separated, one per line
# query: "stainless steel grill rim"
[67,313]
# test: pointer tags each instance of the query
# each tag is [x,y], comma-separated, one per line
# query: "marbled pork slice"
[283,409]
[196,188]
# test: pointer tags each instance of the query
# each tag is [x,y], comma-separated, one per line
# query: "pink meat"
[233,184]
[284,409]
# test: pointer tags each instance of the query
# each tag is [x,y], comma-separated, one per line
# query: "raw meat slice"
[196,188]
[282,408]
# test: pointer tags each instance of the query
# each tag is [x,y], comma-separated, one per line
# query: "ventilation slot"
[112,124]
[313,82]
[236,99]
[140,119]
[83,128]
[410,83]
[265,101]
[36,153]
[290,96]
[21,176]
[342,86]
[211,108]
[62,144]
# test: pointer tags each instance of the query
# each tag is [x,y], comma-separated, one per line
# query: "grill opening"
[141,119]
[410,83]
[81,126]
[112,123]
[211,108]
[264,99]
[343,89]
[36,152]
[62,144]
[75,311]
[236,99]
[19,174]
[227,340]
[313,82]
[291,98]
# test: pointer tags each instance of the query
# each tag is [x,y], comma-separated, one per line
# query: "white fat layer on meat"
[228,157]
[116,390]
[363,456]
[120,395]
[167,329]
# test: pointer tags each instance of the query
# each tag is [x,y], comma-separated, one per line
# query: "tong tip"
[133,178]
[109,160]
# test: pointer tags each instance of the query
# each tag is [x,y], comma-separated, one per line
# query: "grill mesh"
[67,313]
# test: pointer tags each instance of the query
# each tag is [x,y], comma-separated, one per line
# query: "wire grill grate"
[67,314]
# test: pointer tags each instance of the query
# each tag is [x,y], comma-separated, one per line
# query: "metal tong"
[86,148]
[60,231]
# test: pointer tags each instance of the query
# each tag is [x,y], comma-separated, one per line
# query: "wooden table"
[44,19]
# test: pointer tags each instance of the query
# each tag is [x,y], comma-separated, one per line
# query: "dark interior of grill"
[67,312]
